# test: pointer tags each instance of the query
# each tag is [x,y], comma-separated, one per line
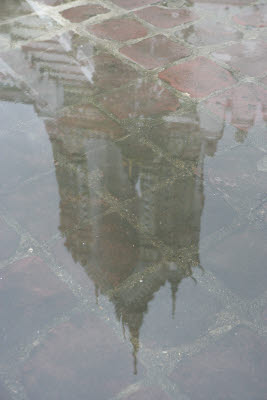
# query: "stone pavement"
[133,208]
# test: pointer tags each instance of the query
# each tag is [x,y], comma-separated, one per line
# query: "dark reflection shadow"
[150,238]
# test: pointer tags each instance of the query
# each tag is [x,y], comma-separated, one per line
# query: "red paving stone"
[163,17]
[243,106]
[9,240]
[248,57]
[120,29]
[81,13]
[233,368]
[79,359]
[155,52]
[144,99]
[255,16]
[131,4]
[199,77]
[206,32]
[148,393]
[31,297]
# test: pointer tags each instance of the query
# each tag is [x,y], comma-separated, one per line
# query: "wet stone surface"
[142,99]
[82,13]
[198,77]
[165,17]
[233,367]
[9,240]
[33,296]
[92,346]
[120,29]
[155,52]
[133,200]
[248,57]
[206,32]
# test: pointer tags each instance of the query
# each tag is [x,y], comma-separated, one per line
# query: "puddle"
[132,216]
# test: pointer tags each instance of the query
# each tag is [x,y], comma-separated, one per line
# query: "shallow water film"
[133,200]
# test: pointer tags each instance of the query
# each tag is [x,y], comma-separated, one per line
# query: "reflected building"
[125,262]
[96,164]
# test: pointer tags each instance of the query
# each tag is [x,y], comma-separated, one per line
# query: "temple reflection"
[123,261]
[122,256]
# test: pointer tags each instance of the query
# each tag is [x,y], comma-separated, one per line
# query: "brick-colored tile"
[145,99]
[77,360]
[199,77]
[155,52]
[255,16]
[9,240]
[31,297]
[81,13]
[131,4]
[249,57]
[163,17]
[120,29]
[233,368]
[148,393]
[243,106]
[206,32]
